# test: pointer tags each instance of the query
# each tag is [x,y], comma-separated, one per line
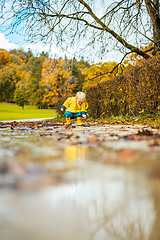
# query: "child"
[75,108]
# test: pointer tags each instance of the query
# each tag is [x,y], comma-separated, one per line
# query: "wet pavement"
[95,181]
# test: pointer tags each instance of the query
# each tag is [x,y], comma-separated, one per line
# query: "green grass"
[13,112]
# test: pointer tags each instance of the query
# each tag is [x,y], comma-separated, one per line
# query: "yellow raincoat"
[72,106]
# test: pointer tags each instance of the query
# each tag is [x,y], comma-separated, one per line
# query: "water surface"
[76,191]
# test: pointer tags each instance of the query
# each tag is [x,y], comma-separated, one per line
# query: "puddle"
[96,192]
[96,202]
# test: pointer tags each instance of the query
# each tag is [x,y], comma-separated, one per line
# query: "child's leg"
[68,117]
[79,121]
[68,120]
[79,118]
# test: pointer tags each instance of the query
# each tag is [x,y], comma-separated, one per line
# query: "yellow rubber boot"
[68,121]
[79,121]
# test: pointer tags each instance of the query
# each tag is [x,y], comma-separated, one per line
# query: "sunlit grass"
[14,112]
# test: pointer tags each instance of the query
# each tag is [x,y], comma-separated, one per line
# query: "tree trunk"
[156,35]
[153,11]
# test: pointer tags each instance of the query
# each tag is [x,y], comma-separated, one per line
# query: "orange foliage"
[135,59]
[20,60]
[5,58]
[57,81]
[99,73]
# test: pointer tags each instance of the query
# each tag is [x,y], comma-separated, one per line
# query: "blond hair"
[81,96]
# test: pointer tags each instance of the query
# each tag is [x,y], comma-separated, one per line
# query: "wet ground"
[90,182]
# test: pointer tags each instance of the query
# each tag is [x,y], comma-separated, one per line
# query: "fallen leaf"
[145,132]
[136,120]
[93,139]
[128,156]
[155,142]
[134,137]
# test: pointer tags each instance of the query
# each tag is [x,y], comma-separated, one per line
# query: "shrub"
[138,90]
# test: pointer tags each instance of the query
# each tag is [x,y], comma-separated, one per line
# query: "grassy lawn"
[13,112]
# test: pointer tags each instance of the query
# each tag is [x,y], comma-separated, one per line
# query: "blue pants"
[73,115]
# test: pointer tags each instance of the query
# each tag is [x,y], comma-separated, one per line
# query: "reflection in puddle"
[76,152]
[101,203]
[106,203]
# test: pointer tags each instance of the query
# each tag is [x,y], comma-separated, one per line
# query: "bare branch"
[115,67]
[114,34]
[124,24]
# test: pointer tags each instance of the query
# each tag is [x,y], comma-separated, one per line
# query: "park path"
[96,181]
[27,120]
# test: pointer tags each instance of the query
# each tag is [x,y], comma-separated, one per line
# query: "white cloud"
[5,44]
[36,48]
[39,47]
[54,52]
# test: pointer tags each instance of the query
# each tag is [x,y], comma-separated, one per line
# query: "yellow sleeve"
[85,106]
[67,103]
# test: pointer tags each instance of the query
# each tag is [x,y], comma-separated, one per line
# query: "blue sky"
[15,41]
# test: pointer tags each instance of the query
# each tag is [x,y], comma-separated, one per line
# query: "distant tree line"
[40,81]
[43,81]
[47,82]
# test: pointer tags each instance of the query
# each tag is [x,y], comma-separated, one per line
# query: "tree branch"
[102,74]
[114,34]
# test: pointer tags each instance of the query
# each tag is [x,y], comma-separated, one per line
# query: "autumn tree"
[18,56]
[95,25]
[20,98]
[34,90]
[13,74]
[5,58]
[57,80]
[134,59]
[101,72]
[82,65]
[9,77]
[77,72]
